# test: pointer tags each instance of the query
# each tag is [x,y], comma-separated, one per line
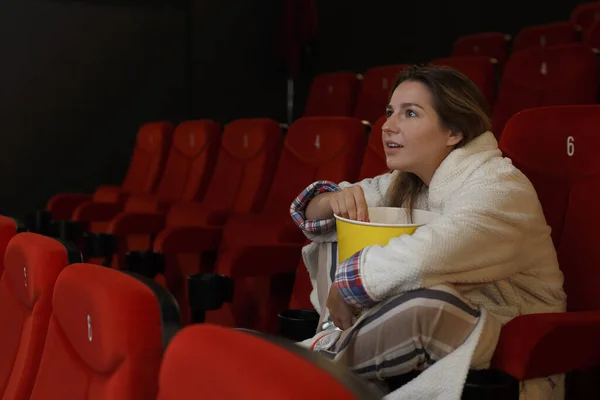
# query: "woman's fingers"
[350,203]
[362,211]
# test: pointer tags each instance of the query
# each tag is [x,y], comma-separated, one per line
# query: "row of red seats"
[78,331]
[582,26]
[556,75]
[251,184]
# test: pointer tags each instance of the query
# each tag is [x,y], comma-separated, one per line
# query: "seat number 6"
[570,146]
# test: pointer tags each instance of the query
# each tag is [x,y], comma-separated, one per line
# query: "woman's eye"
[388,113]
[410,113]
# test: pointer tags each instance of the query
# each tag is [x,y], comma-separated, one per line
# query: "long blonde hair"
[460,106]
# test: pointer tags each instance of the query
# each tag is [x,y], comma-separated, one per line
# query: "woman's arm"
[488,232]
[313,212]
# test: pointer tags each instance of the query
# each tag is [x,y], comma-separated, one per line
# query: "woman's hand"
[347,203]
[350,203]
[341,312]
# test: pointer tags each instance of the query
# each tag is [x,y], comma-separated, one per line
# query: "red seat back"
[585,15]
[539,36]
[374,160]
[556,147]
[106,336]
[246,165]
[32,265]
[8,229]
[221,363]
[544,77]
[332,95]
[375,91]
[592,37]
[480,69]
[490,44]
[316,148]
[152,147]
[191,161]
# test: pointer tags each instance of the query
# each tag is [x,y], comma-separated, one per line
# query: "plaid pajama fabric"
[298,207]
[349,283]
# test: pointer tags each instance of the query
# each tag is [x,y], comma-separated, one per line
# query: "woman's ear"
[454,139]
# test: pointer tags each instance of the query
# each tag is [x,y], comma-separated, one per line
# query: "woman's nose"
[390,125]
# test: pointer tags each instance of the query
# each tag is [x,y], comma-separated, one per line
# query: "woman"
[434,301]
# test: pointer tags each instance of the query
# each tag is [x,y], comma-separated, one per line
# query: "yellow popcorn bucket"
[385,223]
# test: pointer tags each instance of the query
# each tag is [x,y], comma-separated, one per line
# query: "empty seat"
[332,95]
[106,337]
[585,15]
[32,265]
[556,34]
[490,44]
[145,168]
[374,160]
[200,363]
[556,147]
[480,69]
[375,91]
[315,148]
[557,75]
[244,171]
[8,229]
[186,176]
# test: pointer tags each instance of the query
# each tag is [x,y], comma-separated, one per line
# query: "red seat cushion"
[218,363]
[105,338]
[33,263]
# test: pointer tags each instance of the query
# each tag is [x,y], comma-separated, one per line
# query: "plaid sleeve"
[349,282]
[299,205]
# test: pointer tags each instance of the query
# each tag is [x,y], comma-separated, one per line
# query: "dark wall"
[236,72]
[77,80]
[79,77]
[355,35]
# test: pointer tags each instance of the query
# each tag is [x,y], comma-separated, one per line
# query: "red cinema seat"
[246,164]
[213,362]
[106,337]
[32,265]
[315,148]
[539,36]
[374,160]
[8,228]
[585,15]
[186,176]
[542,77]
[556,147]
[490,44]
[375,91]
[145,168]
[332,95]
[480,69]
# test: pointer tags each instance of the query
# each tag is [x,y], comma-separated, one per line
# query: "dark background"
[77,78]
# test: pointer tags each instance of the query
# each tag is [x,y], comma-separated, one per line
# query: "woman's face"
[413,138]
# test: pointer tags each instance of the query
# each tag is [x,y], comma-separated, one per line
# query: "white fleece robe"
[491,242]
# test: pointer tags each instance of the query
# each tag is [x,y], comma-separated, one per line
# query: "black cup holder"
[490,385]
[67,230]
[103,245]
[146,263]
[208,292]
[298,325]
[40,221]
